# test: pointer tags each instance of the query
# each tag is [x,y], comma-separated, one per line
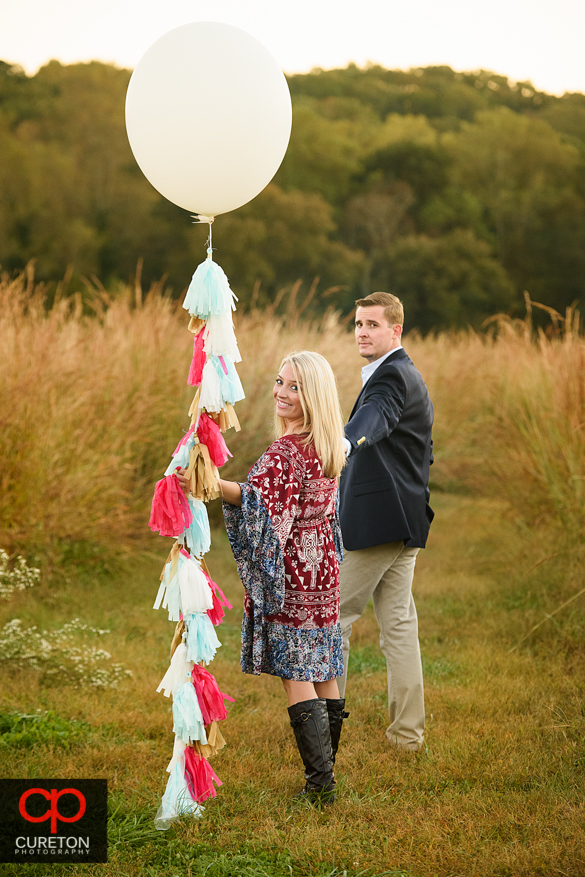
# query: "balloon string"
[200,217]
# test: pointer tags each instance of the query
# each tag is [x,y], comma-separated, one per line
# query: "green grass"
[19,730]
[498,792]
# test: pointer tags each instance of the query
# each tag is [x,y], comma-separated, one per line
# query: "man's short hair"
[393,310]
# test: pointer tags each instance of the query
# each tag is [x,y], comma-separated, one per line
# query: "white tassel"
[178,750]
[178,672]
[209,291]
[196,594]
[176,801]
[220,337]
[210,397]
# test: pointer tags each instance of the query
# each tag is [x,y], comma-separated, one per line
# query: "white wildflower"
[60,655]
[19,578]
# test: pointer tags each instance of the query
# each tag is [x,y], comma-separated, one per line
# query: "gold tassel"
[195,324]
[204,566]
[202,473]
[215,742]
[194,409]
[177,637]
[226,418]
[173,558]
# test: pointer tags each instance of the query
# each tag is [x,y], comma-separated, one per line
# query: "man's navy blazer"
[384,487]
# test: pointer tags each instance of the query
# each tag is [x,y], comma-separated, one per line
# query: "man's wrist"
[347,446]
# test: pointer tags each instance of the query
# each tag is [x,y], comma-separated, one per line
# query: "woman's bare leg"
[298,691]
[327,689]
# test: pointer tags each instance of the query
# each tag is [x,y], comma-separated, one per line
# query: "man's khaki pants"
[384,573]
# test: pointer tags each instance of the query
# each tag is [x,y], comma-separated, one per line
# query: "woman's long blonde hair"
[321,409]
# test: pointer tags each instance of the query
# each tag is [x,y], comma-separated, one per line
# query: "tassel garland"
[193,600]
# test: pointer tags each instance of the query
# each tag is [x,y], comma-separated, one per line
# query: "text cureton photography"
[52,820]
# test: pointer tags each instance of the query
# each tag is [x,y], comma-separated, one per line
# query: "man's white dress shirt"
[367,372]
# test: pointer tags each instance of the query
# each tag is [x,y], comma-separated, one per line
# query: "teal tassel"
[230,385]
[209,292]
[187,718]
[202,642]
[171,601]
[181,458]
[177,800]
[163,586]
[197,537]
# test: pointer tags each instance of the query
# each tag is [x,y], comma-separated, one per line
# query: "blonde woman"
[284,532]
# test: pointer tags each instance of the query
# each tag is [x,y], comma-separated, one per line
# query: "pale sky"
[538,40]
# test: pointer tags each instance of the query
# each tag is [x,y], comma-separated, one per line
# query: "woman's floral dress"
[287,544]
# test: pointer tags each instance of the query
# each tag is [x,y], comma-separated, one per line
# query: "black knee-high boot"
[309,720]
[336,713]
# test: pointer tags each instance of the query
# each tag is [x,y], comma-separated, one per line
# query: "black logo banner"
[47,821]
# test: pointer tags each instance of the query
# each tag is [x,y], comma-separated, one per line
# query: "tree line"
[456,191]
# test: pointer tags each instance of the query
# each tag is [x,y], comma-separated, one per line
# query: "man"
[385,515]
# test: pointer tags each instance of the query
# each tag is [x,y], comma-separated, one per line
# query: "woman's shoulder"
[290,447]
[290,443]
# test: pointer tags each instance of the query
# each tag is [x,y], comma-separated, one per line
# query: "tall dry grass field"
[93,398]
[91,408]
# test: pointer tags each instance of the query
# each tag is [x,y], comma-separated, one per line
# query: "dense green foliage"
[457,191]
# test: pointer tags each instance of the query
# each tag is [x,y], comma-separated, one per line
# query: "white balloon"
[208,116]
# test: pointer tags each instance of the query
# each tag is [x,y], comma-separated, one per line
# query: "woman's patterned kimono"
[287,545]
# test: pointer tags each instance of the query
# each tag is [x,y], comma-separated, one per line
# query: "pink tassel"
[210,698]
[209,434]
[170,513]
[183,441]
[198,361]
[219,600]
[217,590]
[200,776]
[216,614]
